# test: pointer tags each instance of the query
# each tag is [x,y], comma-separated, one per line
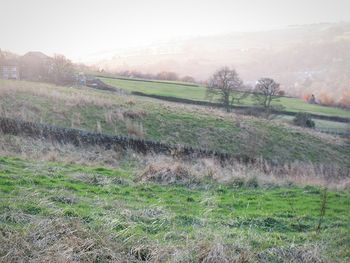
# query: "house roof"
[35,54]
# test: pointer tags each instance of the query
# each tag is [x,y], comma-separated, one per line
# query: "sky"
[79,28]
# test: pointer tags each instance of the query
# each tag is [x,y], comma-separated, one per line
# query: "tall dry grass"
[70,96]
[173,170]
[69,240]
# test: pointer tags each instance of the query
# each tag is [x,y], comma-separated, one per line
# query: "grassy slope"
[84,108]
[169,216]
[198,93]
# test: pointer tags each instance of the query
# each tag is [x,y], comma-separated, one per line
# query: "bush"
[304,120]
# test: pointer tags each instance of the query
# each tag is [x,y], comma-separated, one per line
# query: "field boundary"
[245,108]
[150,80]
[79,137]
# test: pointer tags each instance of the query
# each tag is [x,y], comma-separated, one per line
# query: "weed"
[323,207]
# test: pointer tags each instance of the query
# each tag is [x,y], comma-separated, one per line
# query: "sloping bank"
[80,138]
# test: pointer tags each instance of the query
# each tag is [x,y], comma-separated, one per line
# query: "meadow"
[102,111]
[98,214]
[64,203]
[199,93]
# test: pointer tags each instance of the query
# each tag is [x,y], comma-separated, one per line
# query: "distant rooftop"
[36,54]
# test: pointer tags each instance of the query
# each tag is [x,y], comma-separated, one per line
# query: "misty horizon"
[79,29]
[293,42]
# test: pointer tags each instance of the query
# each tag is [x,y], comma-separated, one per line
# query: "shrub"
[304,120]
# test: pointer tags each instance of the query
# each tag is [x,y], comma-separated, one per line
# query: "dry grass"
[166,170]
[68,240]
[58,240]
[135,129]
[134,114]
[71,96]
[166,174]
[32,149]
[169,170]
[306,254]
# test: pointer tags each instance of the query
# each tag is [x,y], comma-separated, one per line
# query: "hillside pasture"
[212,129]
[199,93]
[63,202]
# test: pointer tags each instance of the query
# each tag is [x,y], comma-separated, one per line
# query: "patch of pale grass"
[70,96]
[57,240]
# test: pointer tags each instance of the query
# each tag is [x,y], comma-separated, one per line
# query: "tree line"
[226,86]
[163,75]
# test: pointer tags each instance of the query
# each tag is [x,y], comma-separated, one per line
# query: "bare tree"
[188,79]
[61,70]
[167,75]
[267,90]
[224,83]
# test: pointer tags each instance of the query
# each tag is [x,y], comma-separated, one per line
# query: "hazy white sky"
[78,28]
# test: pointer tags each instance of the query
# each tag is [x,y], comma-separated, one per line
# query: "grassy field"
[100,111]
[62,203]
[199,93]
[98,214]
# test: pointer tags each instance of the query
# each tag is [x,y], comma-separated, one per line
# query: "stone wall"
[80,138]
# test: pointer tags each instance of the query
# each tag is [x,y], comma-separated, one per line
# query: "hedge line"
[149,80]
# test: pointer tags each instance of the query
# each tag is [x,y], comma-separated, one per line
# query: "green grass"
[171,124]
[115,208]
[199,93]
[164,89]
[169,215]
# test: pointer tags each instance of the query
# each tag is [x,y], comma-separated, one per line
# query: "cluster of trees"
[58,69]
[229,88]
[36,66]
[61,70]
[164,75]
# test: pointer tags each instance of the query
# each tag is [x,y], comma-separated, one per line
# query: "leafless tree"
[224,83]
[267,90]
[61,70]
[188,79]
[165,75]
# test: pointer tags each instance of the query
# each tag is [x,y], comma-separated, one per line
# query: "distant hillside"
[304,59]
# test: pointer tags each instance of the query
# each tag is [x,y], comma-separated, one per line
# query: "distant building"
[9,69]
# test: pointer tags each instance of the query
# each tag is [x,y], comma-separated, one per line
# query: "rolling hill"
[305,59]
[64,201]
